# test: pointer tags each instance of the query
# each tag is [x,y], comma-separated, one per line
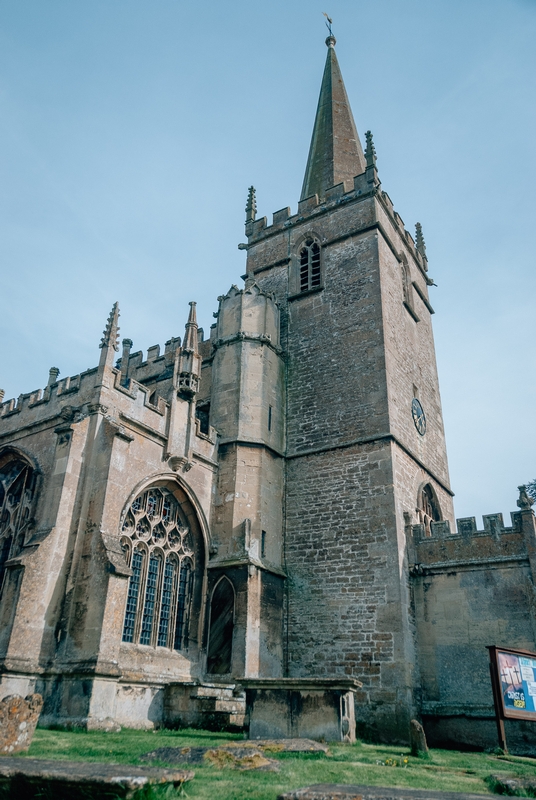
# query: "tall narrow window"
[202,412]
[133,594]
[183,604]
[151,586]
[17,495]
[165,608]
[269,418]
[163,560]
[310,265]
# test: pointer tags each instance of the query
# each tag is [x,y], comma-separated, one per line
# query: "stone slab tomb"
[32,778]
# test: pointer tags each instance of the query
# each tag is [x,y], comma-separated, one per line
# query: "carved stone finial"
[110,337]
[419,242]
[251,205]
[190,336]
[53,375]
[525,501]
[2,395]
[370,151]
[331,41]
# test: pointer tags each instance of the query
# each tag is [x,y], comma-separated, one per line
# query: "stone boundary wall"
[470,589]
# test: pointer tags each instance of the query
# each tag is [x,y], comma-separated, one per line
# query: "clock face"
[418,416]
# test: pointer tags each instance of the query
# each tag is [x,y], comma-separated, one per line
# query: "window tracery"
[17,494]
[158,545]
[310,267]
[428,508]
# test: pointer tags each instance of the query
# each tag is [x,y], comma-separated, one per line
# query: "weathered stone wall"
[470,589]
[354,357]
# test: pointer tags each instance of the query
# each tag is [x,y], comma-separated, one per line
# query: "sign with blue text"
[515,682]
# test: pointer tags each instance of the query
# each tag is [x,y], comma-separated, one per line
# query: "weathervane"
[329,23]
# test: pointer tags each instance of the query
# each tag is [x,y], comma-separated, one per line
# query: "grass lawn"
[360,763]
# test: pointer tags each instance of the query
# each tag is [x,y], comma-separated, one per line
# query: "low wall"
[471,589]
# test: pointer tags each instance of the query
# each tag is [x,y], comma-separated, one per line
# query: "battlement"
[340,194]
[53,396]
[469,548]
[466,526]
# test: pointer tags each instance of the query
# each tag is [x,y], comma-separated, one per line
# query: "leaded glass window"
[17,494]
[310,276]
[158,544]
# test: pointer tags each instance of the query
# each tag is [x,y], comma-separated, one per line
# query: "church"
[258,524]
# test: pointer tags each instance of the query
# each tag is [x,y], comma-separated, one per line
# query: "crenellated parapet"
[135,386]
[247,314]
[469,546]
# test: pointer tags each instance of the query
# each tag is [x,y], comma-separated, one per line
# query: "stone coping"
[306,684]
[124,779]
[330,791]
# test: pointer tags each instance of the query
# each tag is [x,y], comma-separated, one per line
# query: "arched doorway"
[220,641]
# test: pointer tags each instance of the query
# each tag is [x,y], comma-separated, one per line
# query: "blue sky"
[130,131]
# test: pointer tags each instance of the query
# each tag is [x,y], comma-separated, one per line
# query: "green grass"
[445,769]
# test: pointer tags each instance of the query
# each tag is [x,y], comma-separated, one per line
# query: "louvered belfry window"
[310,265]
[158,546]
[17,494]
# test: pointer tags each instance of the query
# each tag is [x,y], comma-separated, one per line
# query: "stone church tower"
[362,461]
[258,526]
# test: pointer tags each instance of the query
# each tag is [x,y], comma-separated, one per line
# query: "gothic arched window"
[310,272]
[159,547]
[17,494]
[428,508]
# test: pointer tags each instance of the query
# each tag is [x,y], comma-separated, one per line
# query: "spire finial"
[110,337]
[190,336]
[329,23]
[419,242]
[53,375]
[525,501]
[251,205]
[370,150]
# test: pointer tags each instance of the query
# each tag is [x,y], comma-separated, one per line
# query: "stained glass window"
[163,562]
[165,606]
[132,598]
[181,627]
[17,494]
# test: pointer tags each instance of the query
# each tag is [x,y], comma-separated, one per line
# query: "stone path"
[327,791]
[25,777]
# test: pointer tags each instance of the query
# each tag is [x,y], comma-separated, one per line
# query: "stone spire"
[335,154]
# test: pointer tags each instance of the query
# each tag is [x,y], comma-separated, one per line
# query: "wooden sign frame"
[513,680]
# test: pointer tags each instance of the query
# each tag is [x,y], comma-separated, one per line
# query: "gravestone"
[18,718]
